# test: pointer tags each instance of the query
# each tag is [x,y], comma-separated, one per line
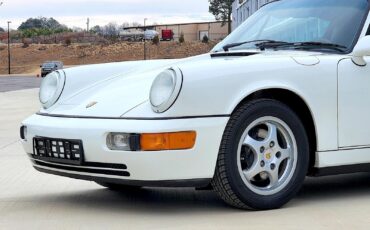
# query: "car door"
[353,104]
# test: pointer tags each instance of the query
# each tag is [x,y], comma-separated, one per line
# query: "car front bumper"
[192,167]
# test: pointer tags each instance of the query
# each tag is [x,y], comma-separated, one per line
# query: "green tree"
[96,30]
[41,23]
[222,10]
[34,32]
[2,30]
[41,26]
[111,29]
[182,38]
[156,40]
[205,39]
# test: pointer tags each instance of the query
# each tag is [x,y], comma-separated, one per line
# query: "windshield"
[48,65]
[327,21]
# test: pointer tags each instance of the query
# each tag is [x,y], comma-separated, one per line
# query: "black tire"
[118,187]
[227,180]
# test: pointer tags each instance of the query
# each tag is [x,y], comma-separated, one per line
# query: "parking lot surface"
[32,200]
[15,82]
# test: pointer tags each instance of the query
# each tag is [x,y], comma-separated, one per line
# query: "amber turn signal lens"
[167,141]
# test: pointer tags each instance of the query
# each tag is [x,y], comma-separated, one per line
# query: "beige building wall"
[218,32]
[196,31]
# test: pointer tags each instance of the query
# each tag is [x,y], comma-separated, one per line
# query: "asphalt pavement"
[33,200]
[18,82]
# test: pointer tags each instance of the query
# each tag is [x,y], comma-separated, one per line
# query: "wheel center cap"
[268,156]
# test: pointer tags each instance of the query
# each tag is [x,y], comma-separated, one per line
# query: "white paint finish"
[306,60]
[361,50]
[44,200]
[342,157]
[353,104]
[198,162]
[316,85]
[226,84]
[114,97]
[212,86]
[91,77]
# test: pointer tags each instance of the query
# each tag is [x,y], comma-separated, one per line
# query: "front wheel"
[263,158]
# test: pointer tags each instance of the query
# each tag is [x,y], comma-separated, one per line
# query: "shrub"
[155,40]
[182,38]
[205,39]
[25,43]
[113,39]
[82,54]
[42,48]
[68,41]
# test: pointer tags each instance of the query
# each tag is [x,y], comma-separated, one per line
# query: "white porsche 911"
[286,95]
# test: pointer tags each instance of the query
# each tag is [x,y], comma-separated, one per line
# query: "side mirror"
[361,50]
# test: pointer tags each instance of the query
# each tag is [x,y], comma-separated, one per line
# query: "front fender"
[216,87]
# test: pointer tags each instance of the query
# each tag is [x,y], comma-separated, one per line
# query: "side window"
[368,30]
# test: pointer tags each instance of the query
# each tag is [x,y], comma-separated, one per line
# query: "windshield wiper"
[332,46]
[266,44]
[304,45]
[232,45]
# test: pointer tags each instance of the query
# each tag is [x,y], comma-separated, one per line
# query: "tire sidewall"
[260,109]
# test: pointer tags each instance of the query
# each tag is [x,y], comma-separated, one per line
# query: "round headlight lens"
[165,89]
[162,87]
[51,88]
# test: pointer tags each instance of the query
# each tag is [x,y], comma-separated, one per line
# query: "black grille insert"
[103,171]
[69,155]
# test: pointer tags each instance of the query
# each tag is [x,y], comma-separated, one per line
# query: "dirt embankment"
[28,60]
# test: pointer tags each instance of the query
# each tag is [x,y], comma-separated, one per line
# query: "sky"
[101,12]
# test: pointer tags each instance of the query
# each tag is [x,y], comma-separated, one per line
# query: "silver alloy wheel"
[267,156]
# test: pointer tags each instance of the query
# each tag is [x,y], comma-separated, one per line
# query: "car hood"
[107,90]
[112,90]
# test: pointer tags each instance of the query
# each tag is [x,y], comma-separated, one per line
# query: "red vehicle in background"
[167,35]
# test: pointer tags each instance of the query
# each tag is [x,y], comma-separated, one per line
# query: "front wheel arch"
[228,180]
[299,106]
